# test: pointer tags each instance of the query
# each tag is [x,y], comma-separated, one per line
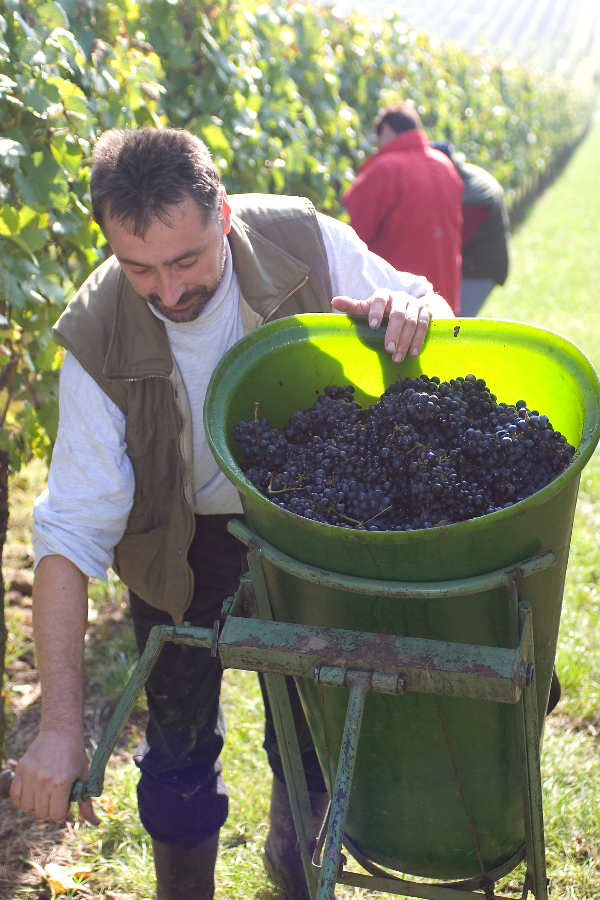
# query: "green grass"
[554,283]
[554,278]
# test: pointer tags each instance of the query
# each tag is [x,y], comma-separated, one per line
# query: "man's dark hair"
[137,174]
[400,116]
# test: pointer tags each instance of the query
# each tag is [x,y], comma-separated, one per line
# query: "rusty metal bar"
[381,880]
[285,731]
[359,684]
[427,666]
[421,891]
[534,812]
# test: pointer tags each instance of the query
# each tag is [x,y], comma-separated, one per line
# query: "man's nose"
[168,287]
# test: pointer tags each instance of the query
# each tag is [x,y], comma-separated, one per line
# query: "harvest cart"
[423,659]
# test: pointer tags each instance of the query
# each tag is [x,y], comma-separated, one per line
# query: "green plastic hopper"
[437,788]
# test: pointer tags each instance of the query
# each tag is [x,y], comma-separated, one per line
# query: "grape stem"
[380,513]
[283,490]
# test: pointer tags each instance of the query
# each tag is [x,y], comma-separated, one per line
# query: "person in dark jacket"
[485,234]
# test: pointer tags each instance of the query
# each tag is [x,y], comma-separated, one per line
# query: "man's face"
[177,265]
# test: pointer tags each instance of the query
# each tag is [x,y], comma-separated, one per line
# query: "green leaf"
[67,154]
[215,138]
[11,288]
[68,223]
[40,97]
[46,358]
[51,288]
[9,220]
[71,95]
[48,419]
[27,360]
[52,15]
[35,179]
[32,238]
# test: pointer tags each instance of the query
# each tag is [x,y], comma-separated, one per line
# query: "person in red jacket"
[406,202]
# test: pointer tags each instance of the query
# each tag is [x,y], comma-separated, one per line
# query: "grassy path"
[555,273]
[555,265]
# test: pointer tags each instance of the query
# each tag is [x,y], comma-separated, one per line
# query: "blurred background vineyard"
[284,95]
[558,36]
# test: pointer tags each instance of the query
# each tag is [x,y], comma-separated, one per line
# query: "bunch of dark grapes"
[428,453]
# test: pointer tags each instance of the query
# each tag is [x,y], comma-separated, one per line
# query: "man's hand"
[44,777]
[408,317]
[56,758]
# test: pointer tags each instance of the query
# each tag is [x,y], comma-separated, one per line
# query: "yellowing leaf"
[60,878]
[108,805]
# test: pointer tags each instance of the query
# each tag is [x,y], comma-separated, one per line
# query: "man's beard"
[191,303]
[197,298]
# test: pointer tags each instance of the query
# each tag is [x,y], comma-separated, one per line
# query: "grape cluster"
[428,453]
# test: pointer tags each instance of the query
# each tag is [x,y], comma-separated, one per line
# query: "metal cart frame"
[247,637]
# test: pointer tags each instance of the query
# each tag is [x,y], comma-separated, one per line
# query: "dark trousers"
[182,796]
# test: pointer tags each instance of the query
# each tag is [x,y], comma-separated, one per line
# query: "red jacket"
[406,205]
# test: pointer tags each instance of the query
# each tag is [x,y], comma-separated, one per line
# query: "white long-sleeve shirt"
[83,512]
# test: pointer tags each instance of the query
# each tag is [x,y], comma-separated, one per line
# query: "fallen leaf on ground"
[60,878]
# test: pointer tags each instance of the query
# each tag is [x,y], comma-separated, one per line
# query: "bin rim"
[215,432]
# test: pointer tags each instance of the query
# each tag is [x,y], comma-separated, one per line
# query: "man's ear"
[225,213]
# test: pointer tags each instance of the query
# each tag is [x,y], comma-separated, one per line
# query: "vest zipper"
[147,375]
[287,297]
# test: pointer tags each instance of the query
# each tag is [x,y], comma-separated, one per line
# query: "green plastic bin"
[437,788]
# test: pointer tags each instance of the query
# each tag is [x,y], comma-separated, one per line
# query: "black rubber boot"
[555,692]
[185,874]
[282,858]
